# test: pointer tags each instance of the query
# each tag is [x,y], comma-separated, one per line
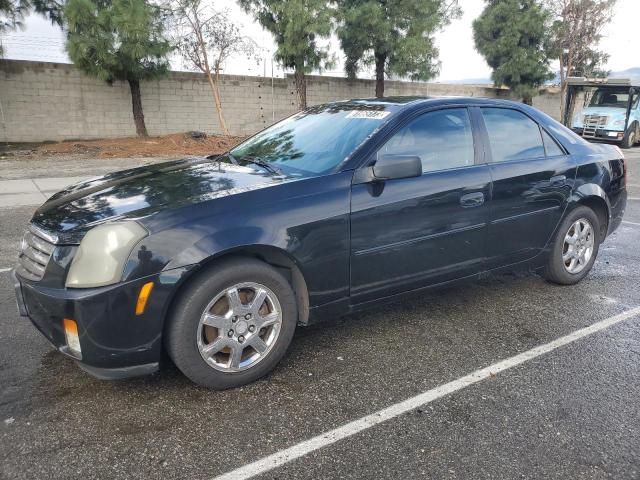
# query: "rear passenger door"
[532,178]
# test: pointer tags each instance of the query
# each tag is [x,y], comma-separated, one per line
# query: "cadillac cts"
[342,206]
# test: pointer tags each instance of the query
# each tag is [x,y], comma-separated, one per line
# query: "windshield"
[610,98]
[314,141]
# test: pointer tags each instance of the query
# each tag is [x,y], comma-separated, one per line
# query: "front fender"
[310,224]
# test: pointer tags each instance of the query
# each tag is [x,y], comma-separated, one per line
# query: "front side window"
[512,135]
[314,141]
[442,139]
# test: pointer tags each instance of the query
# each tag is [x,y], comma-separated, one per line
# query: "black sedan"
[337,208]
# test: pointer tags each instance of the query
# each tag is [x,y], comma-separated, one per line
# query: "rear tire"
[232,324]
[575,247]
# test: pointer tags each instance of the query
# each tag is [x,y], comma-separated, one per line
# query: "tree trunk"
[527,100]
[136,104]
[301,87]
[213,83]
[563,91]
[381,59]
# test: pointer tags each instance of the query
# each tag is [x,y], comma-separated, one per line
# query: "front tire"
[574,247]
[630,137]
[232,324]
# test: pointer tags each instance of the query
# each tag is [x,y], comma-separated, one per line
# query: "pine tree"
[510,35]
[118,40]
[394,35]
[296,26]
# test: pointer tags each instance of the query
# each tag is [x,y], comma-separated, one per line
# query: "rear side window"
[442,139]
[550,145]
[512,135]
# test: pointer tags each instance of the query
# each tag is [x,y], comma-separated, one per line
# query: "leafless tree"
[576,33]
[206,38]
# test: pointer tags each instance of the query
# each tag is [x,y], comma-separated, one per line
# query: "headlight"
[102,254]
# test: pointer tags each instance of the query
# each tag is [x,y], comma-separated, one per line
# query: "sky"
[459,60]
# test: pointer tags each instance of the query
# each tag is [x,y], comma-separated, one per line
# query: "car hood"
[143,191]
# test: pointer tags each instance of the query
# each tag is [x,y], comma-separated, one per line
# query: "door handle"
[474,199]
[558,180]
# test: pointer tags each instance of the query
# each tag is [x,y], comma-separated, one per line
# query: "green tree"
[51,9]
[118,40]
[296,26]
[510,35]
[394,35]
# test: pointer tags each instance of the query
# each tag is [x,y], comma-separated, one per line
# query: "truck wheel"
[232,324]
[574,248]
[631,137]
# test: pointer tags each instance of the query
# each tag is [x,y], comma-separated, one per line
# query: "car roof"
[402,102]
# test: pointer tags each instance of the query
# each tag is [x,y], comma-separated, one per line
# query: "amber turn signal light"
[71,335]
[143,297]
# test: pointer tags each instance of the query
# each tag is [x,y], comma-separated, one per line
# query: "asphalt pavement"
[569,411]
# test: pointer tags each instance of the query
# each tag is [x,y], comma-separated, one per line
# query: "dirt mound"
[167,145]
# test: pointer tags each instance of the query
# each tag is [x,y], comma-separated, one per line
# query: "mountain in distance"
[631,73]
[469,81]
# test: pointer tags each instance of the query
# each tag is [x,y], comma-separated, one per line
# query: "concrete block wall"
[50,101]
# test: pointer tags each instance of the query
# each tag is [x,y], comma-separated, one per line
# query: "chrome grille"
[35,253]
[592,123]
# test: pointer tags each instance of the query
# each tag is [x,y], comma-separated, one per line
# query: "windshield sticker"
[370,114]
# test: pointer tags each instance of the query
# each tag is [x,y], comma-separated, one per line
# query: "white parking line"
[631,223]
[3,270]
[633,198]
[296,451]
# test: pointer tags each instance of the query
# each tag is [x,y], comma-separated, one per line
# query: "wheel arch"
[273,256]
[594,197]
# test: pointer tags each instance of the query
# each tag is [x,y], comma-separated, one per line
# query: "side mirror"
[390,167]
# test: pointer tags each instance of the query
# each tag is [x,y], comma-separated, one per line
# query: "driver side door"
[413,232]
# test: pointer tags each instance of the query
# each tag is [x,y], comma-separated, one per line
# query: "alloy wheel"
[577,249]
[239,327]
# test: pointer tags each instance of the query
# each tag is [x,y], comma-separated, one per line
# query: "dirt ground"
[177,144]
[97,157]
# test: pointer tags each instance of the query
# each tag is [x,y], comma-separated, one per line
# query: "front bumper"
[601,134]
[115,342]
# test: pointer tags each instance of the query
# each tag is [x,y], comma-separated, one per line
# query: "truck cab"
[610,113]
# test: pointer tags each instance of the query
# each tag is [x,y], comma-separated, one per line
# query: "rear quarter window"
[565,134]
[551,146]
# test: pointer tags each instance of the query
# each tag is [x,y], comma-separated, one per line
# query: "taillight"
[624,162]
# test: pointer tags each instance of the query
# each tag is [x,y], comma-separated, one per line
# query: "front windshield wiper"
[261,163]
[233,159]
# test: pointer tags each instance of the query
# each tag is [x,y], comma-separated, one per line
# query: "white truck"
[605,110]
